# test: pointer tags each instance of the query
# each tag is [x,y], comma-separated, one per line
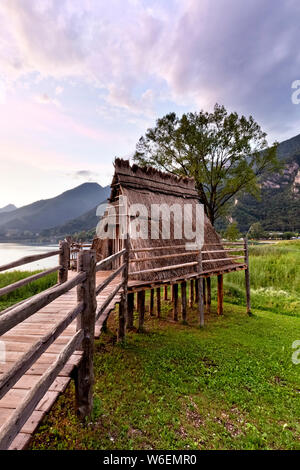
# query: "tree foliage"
[225,153]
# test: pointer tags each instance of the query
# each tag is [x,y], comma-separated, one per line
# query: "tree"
[256,231]
[224,153]
[232,232]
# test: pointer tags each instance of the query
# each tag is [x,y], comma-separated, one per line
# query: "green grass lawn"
[231,385]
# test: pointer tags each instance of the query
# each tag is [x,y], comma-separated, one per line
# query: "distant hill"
[85,222]
[54,212]
[279,207]
[8,208]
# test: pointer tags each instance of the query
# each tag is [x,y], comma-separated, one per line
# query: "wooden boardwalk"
[19,339]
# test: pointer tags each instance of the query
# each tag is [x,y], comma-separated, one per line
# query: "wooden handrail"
[164,268]
[10,378]
[29,259]
[154,258]
[19,417]
[27,280]
[21,312]
[105,262]
[108,300]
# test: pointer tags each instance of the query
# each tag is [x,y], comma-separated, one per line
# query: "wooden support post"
[141,309]
[151,306]
[64,260]
[183,301]
[204,292]
[247,277]
[158,302]
[220,294]
[175,303]
[199,283]
[165,292]
[208,289]
[172,293]
[86,293]
[191,302]
[123,305]
[130,306]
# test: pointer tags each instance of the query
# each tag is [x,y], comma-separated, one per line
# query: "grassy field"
[231,385]
[25,291]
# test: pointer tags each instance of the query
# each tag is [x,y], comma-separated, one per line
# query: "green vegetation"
[231,385]
[275,279]
[25,291]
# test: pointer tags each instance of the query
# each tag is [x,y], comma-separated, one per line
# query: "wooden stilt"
[130,310]
[247,277]
[199,283]
[220,294]
[196,291]
[151,305]
[183,301]
[172,293]
[204,292]
[165,292]
[208,297]
[141,309]
[122,319]
[191,300]
[158,310]
[175,302]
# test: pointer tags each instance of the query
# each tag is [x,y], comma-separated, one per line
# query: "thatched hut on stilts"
[156,260]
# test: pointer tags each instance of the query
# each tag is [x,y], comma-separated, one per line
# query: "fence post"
[84,379]
[123,306]
[199,283]
[247,276]
[64,260]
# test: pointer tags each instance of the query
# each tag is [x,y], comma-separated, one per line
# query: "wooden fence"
[86,314]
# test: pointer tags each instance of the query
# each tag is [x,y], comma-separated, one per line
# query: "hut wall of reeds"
[148,186]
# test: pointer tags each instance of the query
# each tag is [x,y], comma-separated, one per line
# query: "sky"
[82,80]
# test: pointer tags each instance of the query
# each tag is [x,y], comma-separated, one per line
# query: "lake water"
[13,251]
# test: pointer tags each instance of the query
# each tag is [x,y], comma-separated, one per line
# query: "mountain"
[49,213]
[85,222]
[279,207]
[8,208]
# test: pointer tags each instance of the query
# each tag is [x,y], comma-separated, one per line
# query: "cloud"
[242,54]
[86,175]
[59,90]
[46,99]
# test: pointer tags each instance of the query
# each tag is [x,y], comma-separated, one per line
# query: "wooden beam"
[175,303]
[151,305]
[204,292]
[28,259]
[208,298]
[191,293]
[141,309]
[247,277]
[86,321]
[183,301]
[158,302]
[130,310]
[16,285]
[220,294]
[200,291]
[165,292]
[64,260]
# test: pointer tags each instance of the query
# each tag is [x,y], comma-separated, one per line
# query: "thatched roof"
[149,186]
